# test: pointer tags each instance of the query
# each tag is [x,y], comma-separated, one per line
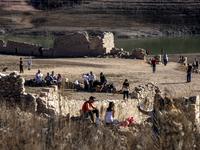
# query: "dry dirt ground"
[170,79]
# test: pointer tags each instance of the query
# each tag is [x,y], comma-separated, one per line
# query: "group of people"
[90,78]
[21,64]
[50,79]
[181,59]
[195,65]
[154,62]
[89,110]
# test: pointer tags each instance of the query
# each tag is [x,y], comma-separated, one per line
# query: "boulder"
[139,53]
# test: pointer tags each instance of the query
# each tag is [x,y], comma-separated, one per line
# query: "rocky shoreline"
[118,33]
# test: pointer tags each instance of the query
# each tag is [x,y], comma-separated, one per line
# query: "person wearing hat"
[91,79]
[89,109]
[103,79]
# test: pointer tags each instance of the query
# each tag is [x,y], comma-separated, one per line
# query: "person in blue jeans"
[153,63]
[189,73]
[165,58]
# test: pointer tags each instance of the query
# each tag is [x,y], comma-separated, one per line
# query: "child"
[125,88]
[110,114]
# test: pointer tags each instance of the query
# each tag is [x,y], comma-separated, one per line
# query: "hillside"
[125,18]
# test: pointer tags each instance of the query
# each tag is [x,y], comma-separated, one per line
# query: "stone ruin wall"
[49,102]
[79,44]
[25,48]
[75,44]
[2,45]
[11,87]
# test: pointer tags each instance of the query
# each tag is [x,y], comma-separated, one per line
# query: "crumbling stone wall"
[11,86]
[145,94]
[70,45]
[79,44]
[23,48]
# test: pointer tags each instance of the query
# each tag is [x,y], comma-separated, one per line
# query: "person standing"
[125,88]
[197,64]
[86,78]
[147,51]
[29,63]
[165,58]
[41,50]
[91,79]
[21,65]
[194,63]
[189,73]
[153,63]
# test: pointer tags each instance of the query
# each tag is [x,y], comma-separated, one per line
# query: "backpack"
[112,85]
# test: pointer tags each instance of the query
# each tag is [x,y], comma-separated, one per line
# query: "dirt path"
[168,78]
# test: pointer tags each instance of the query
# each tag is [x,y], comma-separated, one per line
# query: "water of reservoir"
[161,45]
[156,45]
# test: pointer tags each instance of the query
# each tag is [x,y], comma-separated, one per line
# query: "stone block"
[48,90]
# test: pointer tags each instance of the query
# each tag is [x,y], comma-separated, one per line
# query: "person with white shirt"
[110,114]
[92,77]
[86,78]
[39,77]
[29,63]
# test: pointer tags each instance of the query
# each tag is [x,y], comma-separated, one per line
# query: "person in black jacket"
[103,80]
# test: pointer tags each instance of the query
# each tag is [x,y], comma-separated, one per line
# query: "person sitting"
[59,80]
[39,77]
[103,80]
[110,114]
[54,77]
[89,109]
[91,79]
[48,79]
[4,69]
[86,78]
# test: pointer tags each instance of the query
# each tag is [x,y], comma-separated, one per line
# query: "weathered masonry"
[70,45]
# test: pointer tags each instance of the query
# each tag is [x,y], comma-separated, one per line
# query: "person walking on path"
[165,58]
[189,73]
[153,63]
[125,88]
[88,109]
[29,63]
[21,65]
[91,79]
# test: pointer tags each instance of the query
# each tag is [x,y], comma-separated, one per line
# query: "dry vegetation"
[23,130]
